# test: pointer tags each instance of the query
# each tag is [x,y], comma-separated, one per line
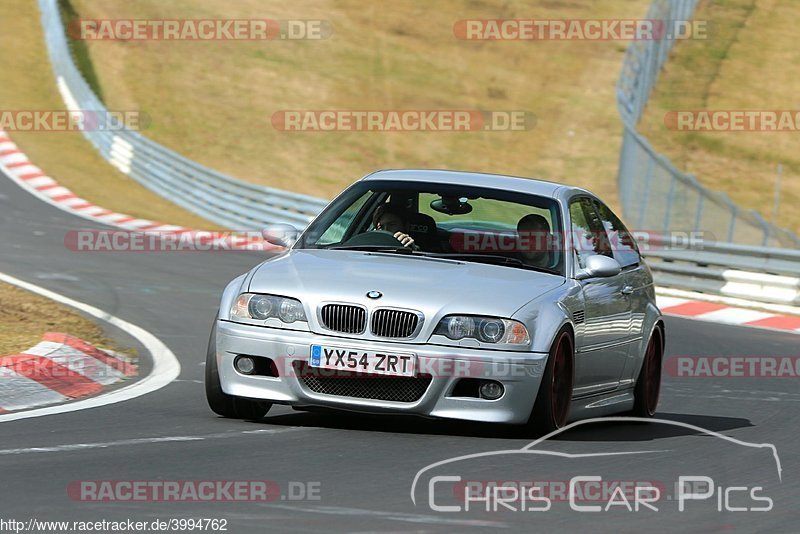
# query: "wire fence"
[654,194]
[215,196]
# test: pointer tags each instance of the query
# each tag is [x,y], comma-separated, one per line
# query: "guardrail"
[655,195]
[762,274]
[215,196]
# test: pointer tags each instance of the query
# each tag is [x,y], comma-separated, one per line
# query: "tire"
[551,409]
[648,384]
[220,402]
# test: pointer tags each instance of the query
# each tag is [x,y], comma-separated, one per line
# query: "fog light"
[244,365]
[491,390]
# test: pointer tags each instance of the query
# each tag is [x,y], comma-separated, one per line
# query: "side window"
[338,229]
[623,243]
[588,236]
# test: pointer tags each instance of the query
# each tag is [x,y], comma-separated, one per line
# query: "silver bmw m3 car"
[445,294]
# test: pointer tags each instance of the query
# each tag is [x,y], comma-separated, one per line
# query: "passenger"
[391,219]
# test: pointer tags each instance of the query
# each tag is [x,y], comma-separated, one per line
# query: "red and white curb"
[721,312]
[30,177]
[165,369]
[58,369]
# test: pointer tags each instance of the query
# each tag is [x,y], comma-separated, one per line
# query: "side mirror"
[282,235]
[599,266]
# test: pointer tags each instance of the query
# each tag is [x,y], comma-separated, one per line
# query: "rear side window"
[622,242]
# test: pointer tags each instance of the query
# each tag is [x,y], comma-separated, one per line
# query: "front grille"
[344,318]
[362,385]
[393,323]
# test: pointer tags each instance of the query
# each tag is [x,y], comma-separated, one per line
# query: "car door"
[602,349]
[636,278]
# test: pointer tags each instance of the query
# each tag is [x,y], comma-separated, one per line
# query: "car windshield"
[468,224]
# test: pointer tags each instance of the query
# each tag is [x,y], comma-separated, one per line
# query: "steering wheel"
[380,238]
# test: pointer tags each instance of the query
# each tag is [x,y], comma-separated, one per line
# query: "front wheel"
[220,402]
[648,385]
[551,410]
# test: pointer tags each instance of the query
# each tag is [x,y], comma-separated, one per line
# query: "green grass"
[78,49]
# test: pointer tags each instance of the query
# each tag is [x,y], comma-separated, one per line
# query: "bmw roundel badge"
[374,294]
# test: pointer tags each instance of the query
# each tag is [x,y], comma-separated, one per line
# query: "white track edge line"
[166,367]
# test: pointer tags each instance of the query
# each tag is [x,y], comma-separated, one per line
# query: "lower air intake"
[362,385]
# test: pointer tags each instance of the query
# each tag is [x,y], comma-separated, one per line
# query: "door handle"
[627,290]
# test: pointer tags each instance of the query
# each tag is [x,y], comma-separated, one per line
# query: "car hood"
[434,286]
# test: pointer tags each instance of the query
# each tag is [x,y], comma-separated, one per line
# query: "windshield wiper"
[374,248]
[496,260]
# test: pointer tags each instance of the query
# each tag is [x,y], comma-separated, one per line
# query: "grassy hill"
[213,101]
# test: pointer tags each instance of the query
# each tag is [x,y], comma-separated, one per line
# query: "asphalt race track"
[362,466]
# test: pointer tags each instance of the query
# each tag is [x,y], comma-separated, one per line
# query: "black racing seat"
[422,228]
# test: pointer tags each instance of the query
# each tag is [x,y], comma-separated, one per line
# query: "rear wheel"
[648,385]
[551,410]
[220,402]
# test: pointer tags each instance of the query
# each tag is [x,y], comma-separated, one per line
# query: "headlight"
[263,307]
[458,327]
[485,329]
[491,330]
[291,310]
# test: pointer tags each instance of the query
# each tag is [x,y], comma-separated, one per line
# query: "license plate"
[362,361]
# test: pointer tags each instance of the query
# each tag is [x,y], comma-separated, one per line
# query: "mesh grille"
[344,318]
[393,323]
[362,385]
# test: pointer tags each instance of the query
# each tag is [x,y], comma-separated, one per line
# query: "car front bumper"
[520,374]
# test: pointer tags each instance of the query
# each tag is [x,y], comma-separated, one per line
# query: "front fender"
[229,295]
[546,316]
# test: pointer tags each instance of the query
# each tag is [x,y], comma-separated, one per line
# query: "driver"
[390,219]
[534,233]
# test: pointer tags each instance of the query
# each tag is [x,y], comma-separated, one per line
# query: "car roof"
[478,179]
